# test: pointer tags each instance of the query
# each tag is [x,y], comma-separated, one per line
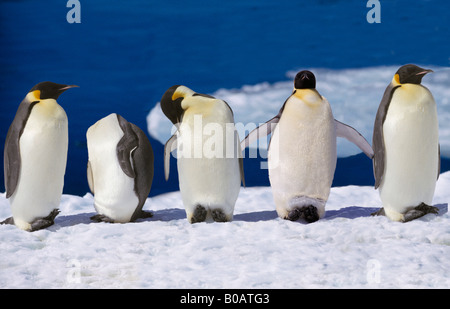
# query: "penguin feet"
[219,216]
[101,218]
[307,213]
[145,214]
[42,223]
[199,214]
[419,211]
[416,212]
[9,220]
[380,212]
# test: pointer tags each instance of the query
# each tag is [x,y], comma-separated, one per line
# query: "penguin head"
[172,102]
[305,80]
[49,90]
[410,74]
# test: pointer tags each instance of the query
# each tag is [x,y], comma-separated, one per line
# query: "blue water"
[125,54]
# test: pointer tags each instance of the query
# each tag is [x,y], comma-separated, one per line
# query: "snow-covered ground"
[346,249]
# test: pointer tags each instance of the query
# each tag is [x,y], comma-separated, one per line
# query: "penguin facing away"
[35,157]
[209,158]
[406,160]
[302,151]
[120,169]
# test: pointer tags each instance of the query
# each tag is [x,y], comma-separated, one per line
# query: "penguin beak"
[62,89]
[425,72]
[182,92]
[68,87]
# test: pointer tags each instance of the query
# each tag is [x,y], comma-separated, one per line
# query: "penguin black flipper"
[261,131]
[236,136]
[350,133]
[378,138]
[264,129]
[143,160]
[241,170]
[135,156]
[12,161]
[168,148]
[127,144]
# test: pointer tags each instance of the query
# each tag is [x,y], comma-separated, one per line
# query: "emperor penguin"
[119,170]
[209,160]
[35,157]
[406,146]
[302,151]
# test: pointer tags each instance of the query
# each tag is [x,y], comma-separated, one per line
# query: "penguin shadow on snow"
[353,212]
[71,220]
[265,215]
[166,215]
[180,214]
[350,212]
[85,218]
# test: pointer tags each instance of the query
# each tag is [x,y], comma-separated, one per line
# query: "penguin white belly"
[208,168]
[43,151]
[411,151]
[302,157]
[114,194]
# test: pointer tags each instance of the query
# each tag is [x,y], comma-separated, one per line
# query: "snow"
[346,249]
[354,96]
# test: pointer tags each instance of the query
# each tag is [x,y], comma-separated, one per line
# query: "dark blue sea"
[125,54]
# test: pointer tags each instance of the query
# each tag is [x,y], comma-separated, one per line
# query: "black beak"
[68,87]
[426,71]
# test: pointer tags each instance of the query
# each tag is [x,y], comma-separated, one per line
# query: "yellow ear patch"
[397,79]
[177,94]
[37,95]
[182,92]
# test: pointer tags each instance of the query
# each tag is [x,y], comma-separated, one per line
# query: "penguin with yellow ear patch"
[208,153]
[302,151]
[406,146]
[35,157]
